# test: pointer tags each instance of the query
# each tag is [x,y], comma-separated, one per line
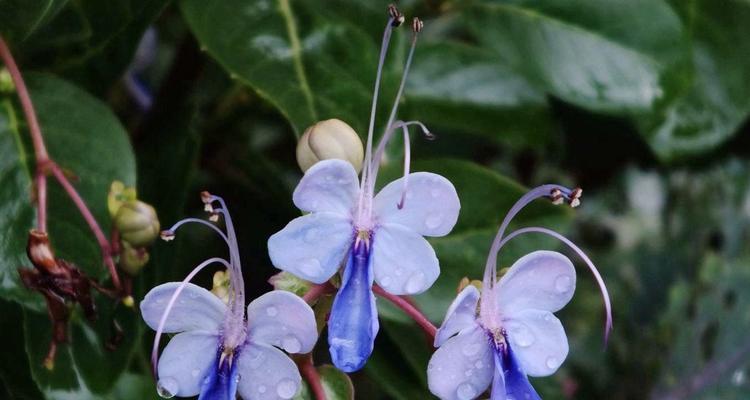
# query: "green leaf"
[469,89]
[336,384]
[714,104]
[575,51]
[20,18]
[91,42]
[710,343]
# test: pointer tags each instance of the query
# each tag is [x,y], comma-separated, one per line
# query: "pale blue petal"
[284,320]
[538,339]
[220,383]
[461,315]
[516,384]
[353,323]
[313,246]
[195,308]
[403,261]
[329,185]
[462,368]
[187,360]
[266,373]
[542,280]
[430,208]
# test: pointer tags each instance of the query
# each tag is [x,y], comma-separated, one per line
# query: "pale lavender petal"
[186,361]
[284,320]
[461,315]
[462,368]
[538,340]
[195,308]
[403,261]
[329,185]
[313,246]
[430,207]
[542,280]
[266,373]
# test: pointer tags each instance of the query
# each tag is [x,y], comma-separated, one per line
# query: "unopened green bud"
[118,195]
[290,283]
[329,139]
[132,259]
[137,223]
[6,82]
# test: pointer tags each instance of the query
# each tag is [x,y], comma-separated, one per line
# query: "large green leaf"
[576,51]
[714,105]
[86,139]
[315,61]
[20,18]
[91,42]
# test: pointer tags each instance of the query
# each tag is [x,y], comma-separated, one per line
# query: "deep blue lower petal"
[221,382]
[498,379]
[353,323]
[517,384]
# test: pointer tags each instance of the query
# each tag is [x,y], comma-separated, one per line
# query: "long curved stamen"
[556,193]
[583,256]
[394,18]
[170,305]
[374,163]
[237,282]
[168,234]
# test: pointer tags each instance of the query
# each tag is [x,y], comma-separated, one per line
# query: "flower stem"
[410,310]
[45,165]
[308,371]
[317,291]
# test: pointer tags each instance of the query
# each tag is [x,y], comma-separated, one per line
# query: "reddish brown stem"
[308,371]
[316,291]
[410,310]
[45,165]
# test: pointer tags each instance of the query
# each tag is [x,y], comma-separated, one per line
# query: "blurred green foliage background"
[643,103]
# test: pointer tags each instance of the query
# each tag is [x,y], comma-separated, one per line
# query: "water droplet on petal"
[272,311]
[254,357]
[262,389]
[195,373]
[435,193]
[521,334]
[552,362]
[311,266]
[193,295]
[415,283]
[312,235]
[563,283]
[167,387]
[471,349]
[399,271]
[433,220]
[286,389]
[466,391]
[291,344]
[469,372]
[386,281]
[479,364]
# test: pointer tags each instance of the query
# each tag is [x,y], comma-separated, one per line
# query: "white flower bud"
[329,139]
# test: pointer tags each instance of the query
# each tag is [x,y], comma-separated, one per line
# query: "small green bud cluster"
[136,223]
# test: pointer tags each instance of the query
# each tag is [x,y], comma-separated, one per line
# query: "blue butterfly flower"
[219,350]
[376,237]
[508,332]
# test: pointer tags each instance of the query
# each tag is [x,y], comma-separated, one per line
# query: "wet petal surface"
[462,368]
[284,320]
[186,361]
[266,373]
[538,340]
[461,315]
[195,308]
[329,185]
[431,204]
[313,246]
[403,261]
